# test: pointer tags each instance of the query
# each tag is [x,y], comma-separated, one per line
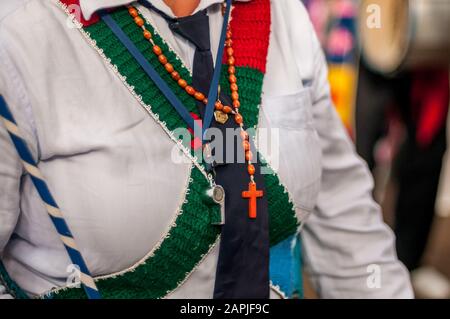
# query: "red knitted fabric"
[250,25]
[80,18]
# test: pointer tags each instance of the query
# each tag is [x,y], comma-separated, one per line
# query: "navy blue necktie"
[243,265]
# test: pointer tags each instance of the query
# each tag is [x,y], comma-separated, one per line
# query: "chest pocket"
[288,139]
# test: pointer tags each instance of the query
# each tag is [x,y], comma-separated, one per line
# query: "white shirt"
[108,162]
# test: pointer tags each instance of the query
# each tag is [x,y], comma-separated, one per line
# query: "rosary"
[221,112]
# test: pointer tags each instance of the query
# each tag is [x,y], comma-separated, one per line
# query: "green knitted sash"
[192,235]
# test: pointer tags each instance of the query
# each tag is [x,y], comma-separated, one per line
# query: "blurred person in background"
[399,115]
[418,102]
[401,110]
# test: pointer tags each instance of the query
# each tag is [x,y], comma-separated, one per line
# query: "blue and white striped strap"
[52,208]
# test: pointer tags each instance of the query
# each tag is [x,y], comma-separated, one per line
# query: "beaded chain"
[222,111]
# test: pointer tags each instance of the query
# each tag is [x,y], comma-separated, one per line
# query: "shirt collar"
[89,7]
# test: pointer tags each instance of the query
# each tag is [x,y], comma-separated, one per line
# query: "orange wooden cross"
[252,194]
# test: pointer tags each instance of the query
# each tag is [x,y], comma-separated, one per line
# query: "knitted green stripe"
[283,222]
[250,89]
[193,235]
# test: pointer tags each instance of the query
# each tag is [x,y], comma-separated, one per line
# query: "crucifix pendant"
[252,194]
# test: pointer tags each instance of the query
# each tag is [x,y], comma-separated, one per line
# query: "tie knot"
[194,28]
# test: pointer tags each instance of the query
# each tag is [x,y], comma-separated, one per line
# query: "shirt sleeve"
[349,250]
[10,172]
[13,90]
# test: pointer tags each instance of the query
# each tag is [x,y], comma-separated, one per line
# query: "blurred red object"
[429,102]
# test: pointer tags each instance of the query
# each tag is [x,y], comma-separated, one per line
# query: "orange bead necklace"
[221,111]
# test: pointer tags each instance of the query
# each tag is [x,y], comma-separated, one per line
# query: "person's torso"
[110,164]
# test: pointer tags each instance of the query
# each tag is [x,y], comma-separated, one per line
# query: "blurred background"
[389,74]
